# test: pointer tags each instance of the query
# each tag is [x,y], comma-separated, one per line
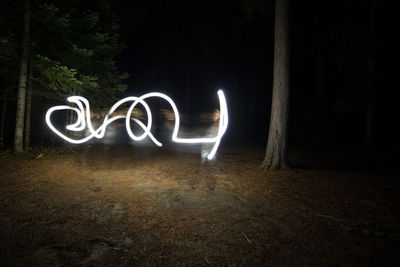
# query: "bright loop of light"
[83,111]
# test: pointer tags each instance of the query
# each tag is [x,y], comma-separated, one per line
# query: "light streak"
[84,119]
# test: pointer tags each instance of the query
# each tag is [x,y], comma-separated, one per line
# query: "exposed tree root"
[274,163]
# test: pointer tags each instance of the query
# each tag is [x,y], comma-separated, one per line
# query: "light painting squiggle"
[83,111]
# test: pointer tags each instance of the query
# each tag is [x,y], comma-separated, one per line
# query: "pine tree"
[276,152]
[72,51]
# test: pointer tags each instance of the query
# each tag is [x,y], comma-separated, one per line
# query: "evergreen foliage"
[72,49]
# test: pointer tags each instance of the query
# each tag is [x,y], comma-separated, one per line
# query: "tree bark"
[27,132]
[276,151]
[3,118]
[19,124]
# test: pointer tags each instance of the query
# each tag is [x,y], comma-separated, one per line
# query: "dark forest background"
[343,66]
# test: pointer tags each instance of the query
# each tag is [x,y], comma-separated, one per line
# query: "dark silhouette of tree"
[276,152]
[370,105]
[23,75]
[67,49]
[3,119]
[27,130]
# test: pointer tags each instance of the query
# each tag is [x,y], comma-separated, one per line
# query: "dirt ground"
[118,206]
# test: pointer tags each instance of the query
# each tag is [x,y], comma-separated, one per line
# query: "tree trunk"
[319,88]
[186,21]
[71,113]
[27,132]
[370,106]
[252,113]
[67,119]
[19,124]
[188,83]
[276,152]
[3,118]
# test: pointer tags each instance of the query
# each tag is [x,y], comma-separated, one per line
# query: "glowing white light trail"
[83,119]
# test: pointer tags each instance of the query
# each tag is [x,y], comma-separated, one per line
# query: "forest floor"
[119,206]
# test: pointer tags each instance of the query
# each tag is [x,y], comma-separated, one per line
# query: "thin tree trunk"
[27,132]
[3,118]
[19,124]
[67,120]
[187,83]
[370,107]
[186,20]
[252,113]
[319,92]
[71,117]
[276,151]
[235,59]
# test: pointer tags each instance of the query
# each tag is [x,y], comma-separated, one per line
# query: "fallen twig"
[246,237]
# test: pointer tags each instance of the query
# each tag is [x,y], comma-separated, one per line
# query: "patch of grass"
[44,152]
[6,154]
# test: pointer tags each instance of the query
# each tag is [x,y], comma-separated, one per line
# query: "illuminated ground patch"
[120,206]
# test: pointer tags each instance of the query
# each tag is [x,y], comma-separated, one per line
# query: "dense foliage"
[72,49]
